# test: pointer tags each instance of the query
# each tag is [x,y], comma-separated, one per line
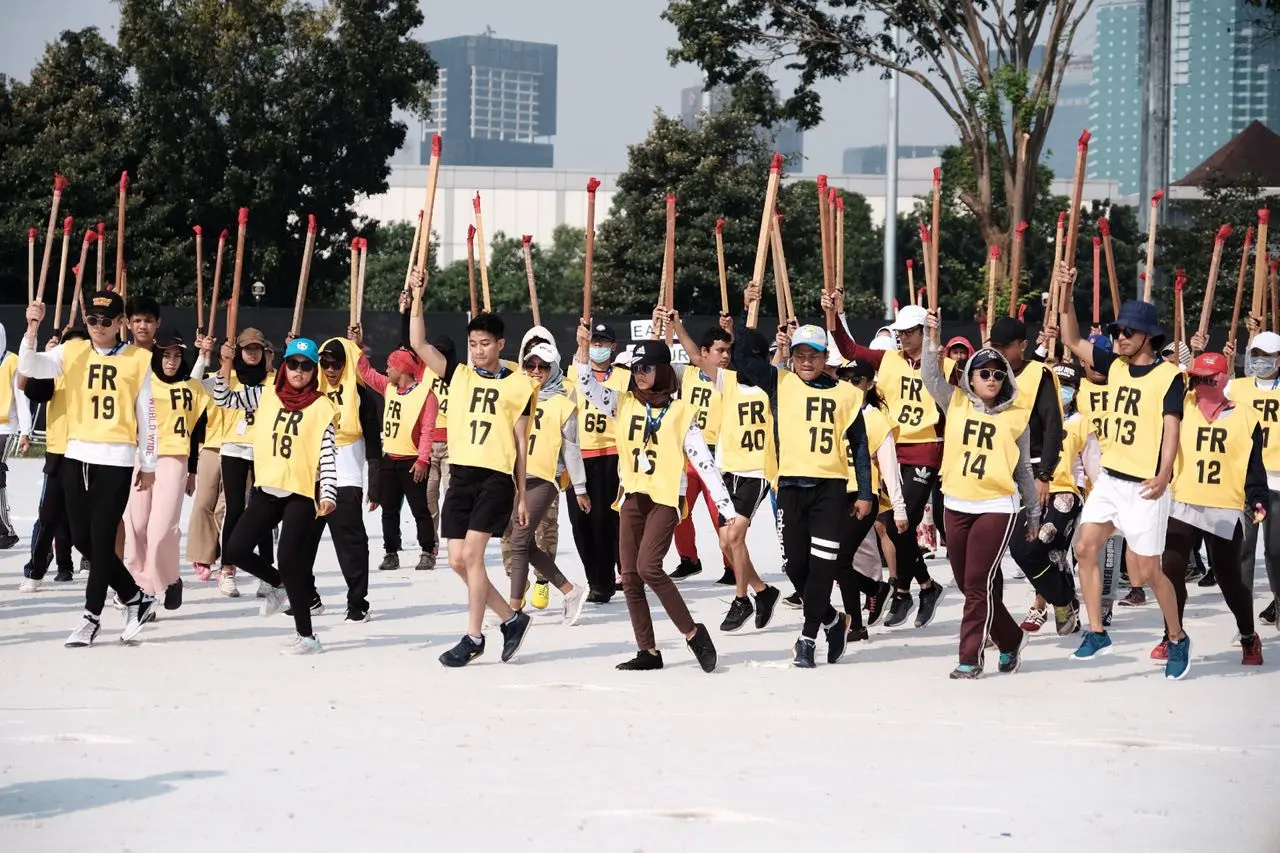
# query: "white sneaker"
[116,602]
[303,646]
[30,585]
[574,599]
[264,589]
[137,613]
[84,633]
[272,601]
[227,585]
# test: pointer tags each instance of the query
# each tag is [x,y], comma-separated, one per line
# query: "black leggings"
[853,583]
[237,480]
[917,488]
[300,532]
[1270,528]
[1047,561]
[595,533]
[1181,540]
[96,498]
[51,534]
[395,487]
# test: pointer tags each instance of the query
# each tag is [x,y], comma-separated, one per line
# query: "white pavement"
[205,738]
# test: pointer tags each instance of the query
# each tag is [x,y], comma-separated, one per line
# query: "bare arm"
[691,349]
[522,451]
[430,356]
[1069,332]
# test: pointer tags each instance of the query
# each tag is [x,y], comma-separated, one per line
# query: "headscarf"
[250,374]
[554,385]
[403,361]
[296,399]
[182,374]
[664,387]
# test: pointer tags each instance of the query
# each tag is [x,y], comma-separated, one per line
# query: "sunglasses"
[643,369]
[1124,331]
[988,374]
[98,320]
[300,365]
[539,366]
[329,364]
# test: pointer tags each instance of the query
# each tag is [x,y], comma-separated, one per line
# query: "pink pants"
[152,538]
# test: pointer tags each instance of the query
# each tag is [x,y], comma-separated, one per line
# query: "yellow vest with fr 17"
[879,428]
[1213,456]
[546,436]
[1135,419]
[595,431]
[811,442]
[981,450]
[286,445]
[55,418]
[345,394]
[8,369]
[746,429]
[1075,432]
[178,407]
[400,412]
[701,393]
[483,416]
[102,391]
[1266,402]
[910,405]
[1092,402]
[652,467]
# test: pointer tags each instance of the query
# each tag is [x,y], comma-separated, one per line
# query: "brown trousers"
[644,537]
[204,529]
[975,546]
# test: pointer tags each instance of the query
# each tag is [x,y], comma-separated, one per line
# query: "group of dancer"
[1066,460]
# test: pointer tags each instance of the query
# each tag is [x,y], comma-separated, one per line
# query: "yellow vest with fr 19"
[286,445]
[102,391]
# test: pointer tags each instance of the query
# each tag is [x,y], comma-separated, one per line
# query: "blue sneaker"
[1093,645]
[1179,662]
[966,672]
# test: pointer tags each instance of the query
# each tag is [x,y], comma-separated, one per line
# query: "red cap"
[1264,216]
[671,201]
[222,238]
[831,195]
[924,233]
[839,203]
[1155,199]
[420,212]
[475,203]
[995,252]
[102,229]
[124,181]
[59,183]
[822,182]
[1062,218]
[937,176]
[1097,242]
[90,235]
[31,234]
[1209,364]
[244,216]
[355,244]
[910,263]
[1248,235]
[311,223]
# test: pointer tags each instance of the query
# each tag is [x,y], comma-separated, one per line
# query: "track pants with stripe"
[975,547]
[8,444]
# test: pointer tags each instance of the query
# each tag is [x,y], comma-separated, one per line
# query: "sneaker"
[876,603]
[84,565]
[84,634]
[1268,614]
[703,649]
[1161,650]
[274,600]
[1019,574]
[574,600]
[357,614]
[1010,661]
[644,660]
[804,648]
[728,578]
[227,584]
[766,601]
[138,612]
[1251,647]
[966,672]
[1136,598]
[1209,579]
[317,606]
[203,571]
[8,540]
[929,599]
[1067,618]
[263,590]
[617,584]
[900,606]
[1179,662]
[541,595]
[116,602]
[837,637]
[426,562]
[173,595]
[514,630]
[794,601]
[597,597]
[1094,644]
[390,562]
[30,585]
[1035,619]
[1108,611]
[463,653]
[63,576]
[739,611]
[303,646]
[687,569]
[857,635]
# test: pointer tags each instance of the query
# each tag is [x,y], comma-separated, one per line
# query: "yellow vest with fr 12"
[652,467]
[102,391]
[345,394]
[1266,402]
[595,431]
[546,436]
[811,442]
[483,417]
[746,429]
[178,407]
[1213,456]
[1135,419]
[286,445]
[400,412]
[980,452]
[701,393]
[910,405]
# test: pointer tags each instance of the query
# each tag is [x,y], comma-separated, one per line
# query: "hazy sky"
[613,72]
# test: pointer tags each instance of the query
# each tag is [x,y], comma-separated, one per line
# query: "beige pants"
[437,479]
[151,527]
[204,530]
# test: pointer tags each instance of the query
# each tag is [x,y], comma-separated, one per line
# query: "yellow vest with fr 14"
[1135,419]
[910,405]
[1213,456]
[652,467]
[482,418]
[980,452]
[286,445]
[812,442]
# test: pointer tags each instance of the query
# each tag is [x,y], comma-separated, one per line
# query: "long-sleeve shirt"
[424,429]
[48,365]
[236,446]
[571,457]
[19,412]
[891,476]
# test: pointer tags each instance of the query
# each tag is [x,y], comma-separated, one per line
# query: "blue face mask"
[600,355]
[1068,395]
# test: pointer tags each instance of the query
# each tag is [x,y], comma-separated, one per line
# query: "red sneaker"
[1252,651]
[203,571]
[1034,620]
[1161,652]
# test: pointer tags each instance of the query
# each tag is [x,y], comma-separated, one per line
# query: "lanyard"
[652,424]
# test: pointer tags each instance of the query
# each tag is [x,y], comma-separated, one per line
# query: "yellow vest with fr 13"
[812,442]
[1093,402]
[980,452]
[8,368]
[1135,419]
[1213,456]
[1266,402]
[178,407]
[546,436]
[483,417]
[400,412]
[55,418]
[595,431]
[910,405]
[286,445]
[102,391]
[345,394]
[701,393]
[1075,432]
[652,468]
[746,429]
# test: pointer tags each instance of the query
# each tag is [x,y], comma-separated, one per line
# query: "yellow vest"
[399,414]
[55,418]
[286,445]
[345,395]
[1033,373]
[239,422]
[595,431]
[216,425]
[1266,403]
[1136,419]
[746,429]
[546,436]
[441,389]
[102,390]
[981,450]
[879,428]
[1093,402]
[482,422]
[1075,432]
[701,393]
[910,406]
[8,368]
[178,407]
[664,452]
[1213,457]
[811,442]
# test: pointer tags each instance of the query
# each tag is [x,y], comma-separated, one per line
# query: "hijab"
[296,399]
[664,389]
[182,374]
[250,374]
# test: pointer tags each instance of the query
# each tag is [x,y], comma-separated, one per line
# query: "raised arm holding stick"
[471,268]
[480,255]
[526,248]
[589,258]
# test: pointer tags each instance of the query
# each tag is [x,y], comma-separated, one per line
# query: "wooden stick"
[1275,299]
[936,234]
[839,202]
[101,271]
[78,272]
[587,266]
[353,286]
[724,278]
[1260,266]
[120,216]
[911,281]
[480,254]
[1073,228]
[1104,225]
[59,184]
[413,251]
[364,262]
[1151,246]
[217,282]
[824,235]
[669,286]
[62,271]
[1015,266]
[300,299]
[1206,309]
[31,264]
[526,248]
[790,309]
[428,207]
[1179,323]
[1052,309]
[762,242]
[993,272]
[1097,281]
[233,306]
[926,245]
[199,232]
[779,267]
[471,268]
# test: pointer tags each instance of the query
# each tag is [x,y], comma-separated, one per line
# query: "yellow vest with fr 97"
[1266,402]
[400,413]
[910,405]
[102,391]
[1135,419]
[813,421]
[286,445]
[746,429]
[482,418]
[652,467]
[981,450]
[1213,456]
[546,436]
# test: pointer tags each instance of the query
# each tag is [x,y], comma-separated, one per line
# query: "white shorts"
[1143,523]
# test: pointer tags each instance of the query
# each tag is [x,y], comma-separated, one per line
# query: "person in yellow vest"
[986,478]
[1211,490]
[1131,494]
[152,537]
[110,427]
[438,473]
[1091,403]
[143,315]
[15,433]
[208,505]
[488,446]
[295,484]
[657,434]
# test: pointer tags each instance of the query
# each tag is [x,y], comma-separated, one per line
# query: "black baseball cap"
[1007,330]
[603,332]
[650,353]
[105,303]
[168,339]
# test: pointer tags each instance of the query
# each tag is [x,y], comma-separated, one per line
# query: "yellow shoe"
[541,595]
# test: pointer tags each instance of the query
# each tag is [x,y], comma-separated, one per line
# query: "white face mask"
[1263,366]
[1068,395]
[600,354]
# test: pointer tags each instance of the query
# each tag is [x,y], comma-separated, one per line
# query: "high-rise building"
[1115,99]
[874,159]
[1071,113]
[494,102]
[787,139]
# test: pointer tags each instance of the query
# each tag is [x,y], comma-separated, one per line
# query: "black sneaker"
[597,597]
[84,565]
[703,649]
[317,607]
[804,654]
[766,600]
[426,562]
[739,610]
[1209,579]
[900,606]
[1010,661]
[8,541]
[463,653]
[356,614]
[876,603]
[966,672]
[173,595]
[794,601]
[514,630]
[859,634]
[837,637]
[64,576]
[727,579]
[687,569]
[1266,617]
[390,562]
[644,660]
[1138,597]
[929,599]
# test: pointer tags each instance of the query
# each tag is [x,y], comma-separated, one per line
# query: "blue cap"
[1102,342]
[304,347]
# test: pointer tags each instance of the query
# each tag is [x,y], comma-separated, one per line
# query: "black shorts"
[479,499]
[747,493]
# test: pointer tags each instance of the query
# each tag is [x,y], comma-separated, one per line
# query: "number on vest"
[281,445]
[911,415]
[104,407]
[533,437]
[1209,472]
[180,426]
[1125,430]
[974,464]
[651,455]
[753,439]
[480,431]
[594,422]
[821,439]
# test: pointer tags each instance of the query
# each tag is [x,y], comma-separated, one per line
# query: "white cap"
[834,359]
[809,336]
[624,357]
[1266,341]
[544,351]
[883,344]
[909,317]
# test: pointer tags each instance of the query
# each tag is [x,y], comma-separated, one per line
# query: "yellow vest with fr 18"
[701,393]
[812,442]
[652,467]
[746,429]
[400,412]
[178,407]
[1213,456]
[102,391]
[546,436]
[981,451]
[1266,402]
[1135,419]
[910,405]
[595,431]
[286,445]
[345,394]
[483,416]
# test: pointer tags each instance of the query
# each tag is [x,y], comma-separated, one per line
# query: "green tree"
[802,245]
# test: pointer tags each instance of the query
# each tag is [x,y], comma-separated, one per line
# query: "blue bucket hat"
[1141,317]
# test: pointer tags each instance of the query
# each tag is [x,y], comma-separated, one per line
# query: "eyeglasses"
[329,364]
[539,366]
[98,320]
[1124,331]
[643,369]
[300,365]
[988,374]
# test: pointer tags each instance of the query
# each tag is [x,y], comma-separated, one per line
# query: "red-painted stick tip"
[1155,199]
[1104,225]
[924,232]
[995,253]
[671,199]
[66,224]
[471,233]
[1142,276]
[90,235]
[124,181]
[1062,218]
[1097,242]
[437,145]
[1223,233]
[822,183]
[420,212]
[719,226]
[311,223]
[76,270]
[1178,283]
[910,263]
[59,183]
[776,165]
[895,305]
[31,235]
[199,231]
[1248,235]
[1022,228]
[1264,216]
[355,244]
[592,185]
[1083,142]
[831,195]
[475,203]
[102,230]
[222,238]
[526,240]
[244,216]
